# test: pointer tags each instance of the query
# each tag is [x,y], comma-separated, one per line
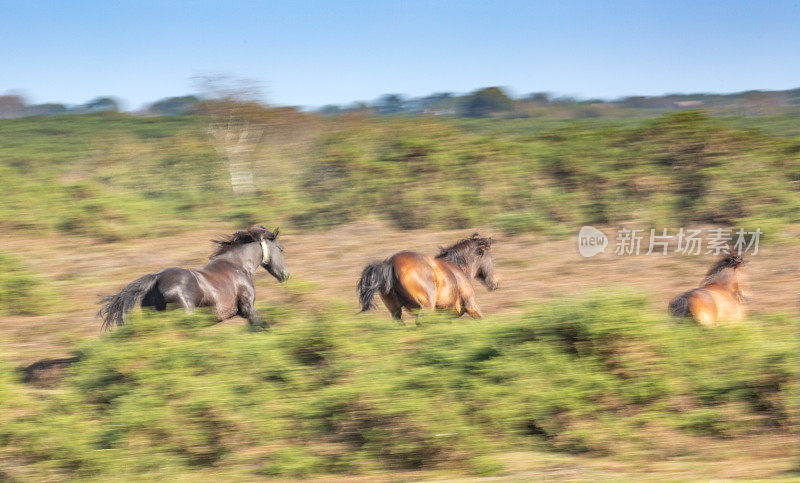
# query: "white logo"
[591,241]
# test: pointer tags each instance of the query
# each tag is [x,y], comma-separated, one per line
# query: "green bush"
[21,292]
[328,393]
[116,176]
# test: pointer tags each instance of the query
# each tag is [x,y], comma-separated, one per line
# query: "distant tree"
[542,98]
[389,104]
[487,101]
[438,97]
[43,110]
[634,102]
[102,104]
[12,106]
[330,110]
[358,106]
[439,102]
[564,101]
[175,106]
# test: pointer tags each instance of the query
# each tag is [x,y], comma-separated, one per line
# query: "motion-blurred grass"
[327,392]
[113,176]
[22,292]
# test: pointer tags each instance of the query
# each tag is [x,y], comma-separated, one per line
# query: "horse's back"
[407,259]
[174,276]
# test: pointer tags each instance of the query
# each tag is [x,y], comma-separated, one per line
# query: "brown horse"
[718,297]
[225,283]
[414,281]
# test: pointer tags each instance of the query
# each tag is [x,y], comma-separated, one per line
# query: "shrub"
[326,393]
[21,292]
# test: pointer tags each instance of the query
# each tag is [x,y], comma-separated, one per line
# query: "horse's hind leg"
[187,305]
[154,299]
[704,313]
[392,302]
[159,303]
[706,318]
[426,301]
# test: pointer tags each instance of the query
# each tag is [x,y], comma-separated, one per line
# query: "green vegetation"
[325,392]
[112,176]
[487,101]
[22,292]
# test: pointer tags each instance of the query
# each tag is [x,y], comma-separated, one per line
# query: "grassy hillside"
[329,393]
[92,202]
[114,176]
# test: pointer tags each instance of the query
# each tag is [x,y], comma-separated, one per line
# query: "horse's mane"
[464,251]
[714,275]
[241,237]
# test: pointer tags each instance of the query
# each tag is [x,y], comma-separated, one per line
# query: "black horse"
[225,283]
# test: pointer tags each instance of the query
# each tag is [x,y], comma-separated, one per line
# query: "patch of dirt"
[531,269]
[47,373]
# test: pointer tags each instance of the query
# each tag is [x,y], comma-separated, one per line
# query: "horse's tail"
[376,277]
[679,306]
[116,306]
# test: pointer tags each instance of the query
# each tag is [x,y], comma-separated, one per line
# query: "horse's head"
[725,271]
[272,255]
[484,266]
[732,260]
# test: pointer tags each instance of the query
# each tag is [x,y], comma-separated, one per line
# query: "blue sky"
[312,53]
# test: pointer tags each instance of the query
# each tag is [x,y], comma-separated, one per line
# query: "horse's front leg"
[472,308]
[249,312]
[247,309]
[475,312]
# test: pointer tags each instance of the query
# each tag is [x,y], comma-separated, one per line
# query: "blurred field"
[576,374]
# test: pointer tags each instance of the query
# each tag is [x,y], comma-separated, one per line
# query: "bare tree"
[234,111]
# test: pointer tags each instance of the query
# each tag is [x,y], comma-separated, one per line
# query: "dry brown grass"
[531,268]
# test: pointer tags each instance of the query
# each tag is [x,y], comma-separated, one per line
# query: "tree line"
[484,102]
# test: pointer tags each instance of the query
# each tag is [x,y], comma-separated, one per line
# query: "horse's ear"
[476,235]
[275,233]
